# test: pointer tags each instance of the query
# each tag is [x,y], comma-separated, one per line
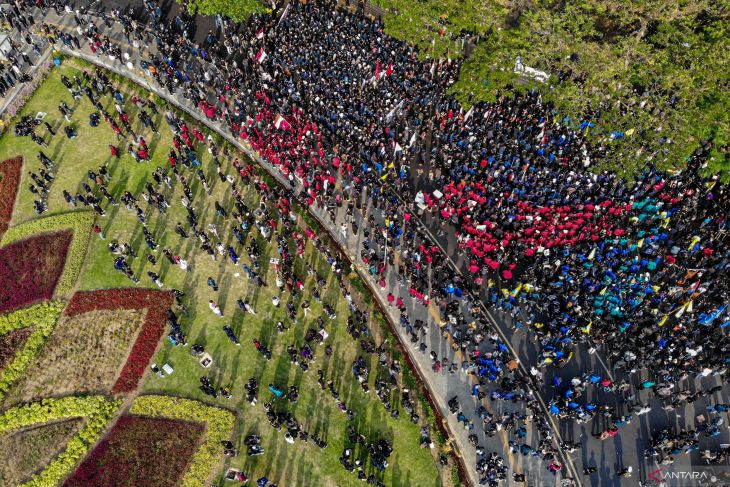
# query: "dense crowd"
[351,116]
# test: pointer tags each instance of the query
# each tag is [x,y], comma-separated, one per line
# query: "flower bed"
[218,423]
[156,302]
[30,269]
[153,452]
[29,450]
[10,170]
[83,355]
[77,221]
[41,316]
[97,410]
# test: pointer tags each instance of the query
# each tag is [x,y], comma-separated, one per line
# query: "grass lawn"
[286,464]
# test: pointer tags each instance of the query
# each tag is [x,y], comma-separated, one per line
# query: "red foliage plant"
[10,171]
[30,269]
[140,451]
[155,302]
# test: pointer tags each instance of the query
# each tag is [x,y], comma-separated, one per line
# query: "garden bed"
[155,302]
[83,355]
[29,450]
[42,317]
[31,268]
[218,427]
[96,411]
[10,172]
[78,223]
[140,451]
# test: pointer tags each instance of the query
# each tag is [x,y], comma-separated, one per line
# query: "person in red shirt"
[114,150]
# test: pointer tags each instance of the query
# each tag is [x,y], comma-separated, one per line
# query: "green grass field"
[297,464]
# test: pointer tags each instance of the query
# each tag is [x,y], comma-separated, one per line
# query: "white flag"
[413,140]
[286,12]
[398,149]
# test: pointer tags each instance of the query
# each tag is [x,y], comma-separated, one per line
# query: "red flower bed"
[10,343]
[10,170]
[30,269]
[140,451]
[156,302]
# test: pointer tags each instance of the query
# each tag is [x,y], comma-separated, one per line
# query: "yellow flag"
[391,165]
[505,292]
[663,320]
[603,291]
[384,177]
[640,243]
[587,329]
[694,241]
[517,291]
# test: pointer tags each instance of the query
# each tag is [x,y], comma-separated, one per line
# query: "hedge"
[79,221]
[97,410]
[43,317]
[219,425]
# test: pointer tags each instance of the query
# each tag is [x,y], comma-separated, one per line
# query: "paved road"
[623,450]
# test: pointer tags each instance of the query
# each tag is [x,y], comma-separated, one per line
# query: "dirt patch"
[27,452]
[85,354]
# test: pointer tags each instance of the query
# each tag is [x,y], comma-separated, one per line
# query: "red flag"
[389,71]
[261,56]
[281,123]
[260,34]
[377,70]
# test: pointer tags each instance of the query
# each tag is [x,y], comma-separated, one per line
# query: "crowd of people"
[351,116]
[271,220]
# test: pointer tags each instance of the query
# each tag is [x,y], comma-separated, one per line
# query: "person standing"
[215,308]
[97,230]
[155,278]
[213,284]
[180,230]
